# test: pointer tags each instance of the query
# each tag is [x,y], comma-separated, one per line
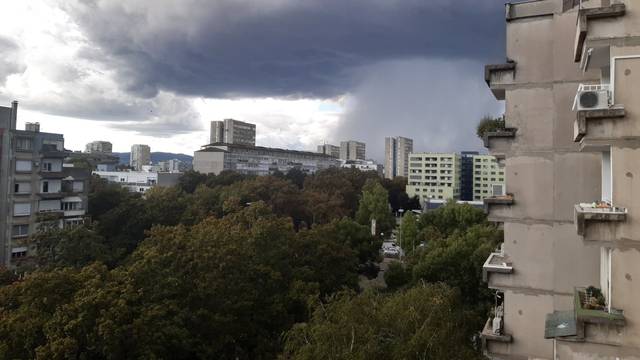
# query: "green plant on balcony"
[488,124]
[593,299]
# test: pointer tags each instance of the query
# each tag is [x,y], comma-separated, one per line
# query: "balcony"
[488,334]
[497,262]
[498,200]
[506,133]
[586,15]
[590,309]
[591,217]
[595,113]
[499,77]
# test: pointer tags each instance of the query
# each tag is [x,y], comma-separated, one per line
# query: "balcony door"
[607,194]
[605,274]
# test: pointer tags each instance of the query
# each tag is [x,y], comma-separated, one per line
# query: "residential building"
[396,156]
[37,188]
[488,177]
[94,160]
[257,160]
[330,150]
[140,155]
[434,176]
[564,275]
[232,131]
[362,165]
[139,181]
[99,147]
[466,175]
[352,150]
[173,166]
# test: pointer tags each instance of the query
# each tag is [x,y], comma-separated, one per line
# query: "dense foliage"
[238,267]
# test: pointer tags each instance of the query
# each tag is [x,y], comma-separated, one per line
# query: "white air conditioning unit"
[592,97]
[497,189]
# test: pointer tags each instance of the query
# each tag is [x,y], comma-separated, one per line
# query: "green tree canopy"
[374,204]
[423,322]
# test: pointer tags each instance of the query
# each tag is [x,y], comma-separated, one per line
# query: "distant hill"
[156,157]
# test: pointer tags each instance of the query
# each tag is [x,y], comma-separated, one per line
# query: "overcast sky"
[306,72]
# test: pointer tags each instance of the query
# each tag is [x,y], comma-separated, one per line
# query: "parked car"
[391,252]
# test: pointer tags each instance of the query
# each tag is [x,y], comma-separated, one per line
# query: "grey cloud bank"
[437,103]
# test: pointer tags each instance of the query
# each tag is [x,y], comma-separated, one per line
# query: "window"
[20,230]
[21,209]
[45,186]
[18,252]
[22,188]
[24,144]
[78,186]
[71,206]
[23,165]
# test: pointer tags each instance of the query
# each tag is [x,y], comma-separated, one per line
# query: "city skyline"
[91,84]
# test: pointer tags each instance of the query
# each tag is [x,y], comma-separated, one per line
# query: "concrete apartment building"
[434,176]
[488,177]
[257,160]
[140,156]
[36,187]
[104,147]
[571,84]
[396,156]
[329,149]
[232,131]
[352,150]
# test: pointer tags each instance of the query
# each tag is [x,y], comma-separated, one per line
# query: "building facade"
[104,147]
[352,150]
[257,160]
[396,156]
[173,166]
[363,165]
[38,189]
[434,176]
[232,131]
[564,276]
[330,150]
[488,177]
[139,181]
[140,156]
[466,175]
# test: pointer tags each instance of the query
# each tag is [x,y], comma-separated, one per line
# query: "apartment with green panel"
[434,176]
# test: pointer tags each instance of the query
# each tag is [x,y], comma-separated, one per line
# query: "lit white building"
[434,176]
[139,181]
[362,165]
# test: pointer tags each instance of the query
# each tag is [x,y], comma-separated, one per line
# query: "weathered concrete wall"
[208,162]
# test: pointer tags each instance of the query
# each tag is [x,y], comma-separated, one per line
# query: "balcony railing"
[597,212]
[588,309]
[497,262]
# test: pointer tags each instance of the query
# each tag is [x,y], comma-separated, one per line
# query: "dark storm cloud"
[283,48]
[437,103]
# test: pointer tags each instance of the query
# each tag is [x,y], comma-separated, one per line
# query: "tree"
[189,181]
[396,276]
[70,247]
[409,232]
[452,217]
[425,322]
[296,176]
[374,204]
[487,124]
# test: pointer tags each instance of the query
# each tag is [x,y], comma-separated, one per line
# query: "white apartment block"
[488,177]
[434,176]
